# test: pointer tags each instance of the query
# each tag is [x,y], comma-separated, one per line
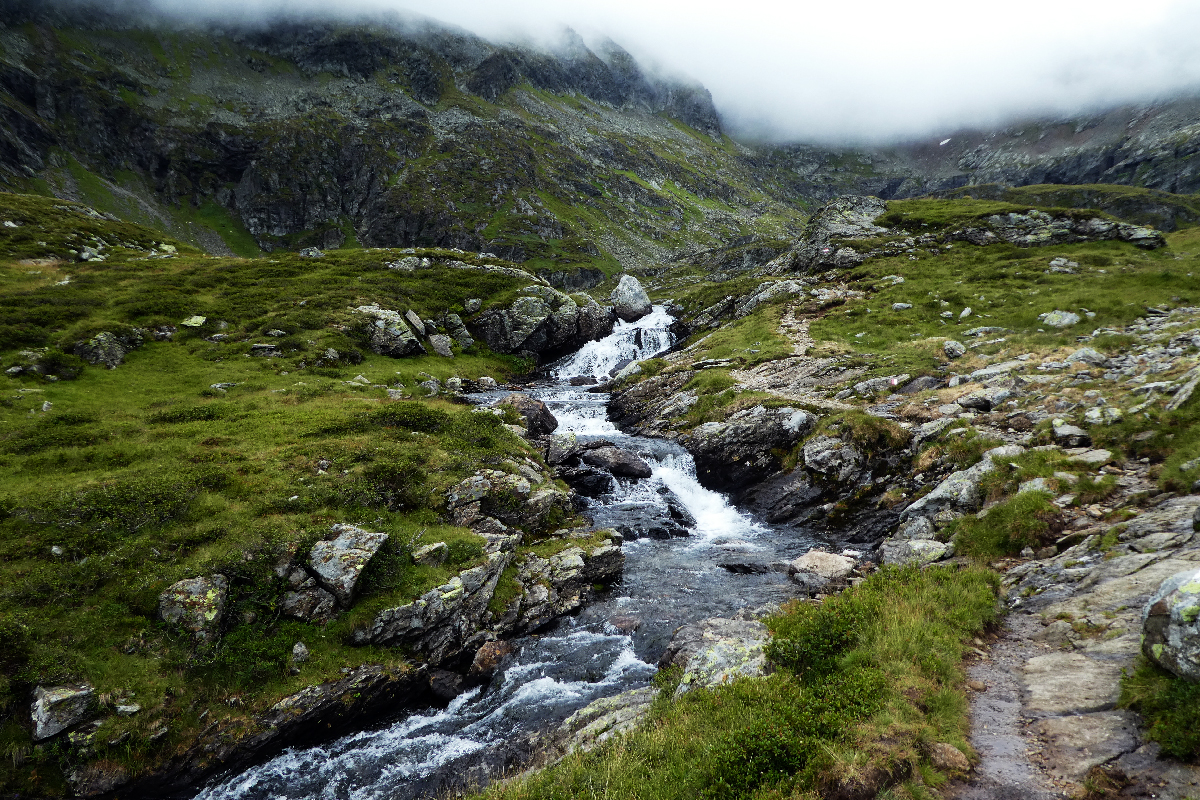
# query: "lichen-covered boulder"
[338,564]
[630,301]
[913,551]
[1059,319]
[538,419]
[953,349]
[109,348]
[717,651]
[440,343]
[196,605]
[389,334]
[1171,625]
[59,708]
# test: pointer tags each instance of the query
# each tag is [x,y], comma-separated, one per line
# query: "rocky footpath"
[1045,715]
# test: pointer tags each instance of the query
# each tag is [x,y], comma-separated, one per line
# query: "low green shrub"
[205,413]
[1169,705]
[876,667]
[1026,520]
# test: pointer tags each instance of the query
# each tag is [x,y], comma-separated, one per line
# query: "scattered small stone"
[300,653]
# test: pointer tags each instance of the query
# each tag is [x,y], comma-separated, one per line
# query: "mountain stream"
[608,648]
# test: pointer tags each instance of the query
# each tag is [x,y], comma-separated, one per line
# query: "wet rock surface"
[630,301]
[1049,714]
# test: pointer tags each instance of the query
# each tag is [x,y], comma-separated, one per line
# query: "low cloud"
[858,70]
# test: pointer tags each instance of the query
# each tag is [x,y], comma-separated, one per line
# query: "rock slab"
[59,708]
[338,564]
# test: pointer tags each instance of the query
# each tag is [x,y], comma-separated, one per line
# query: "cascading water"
[667,582]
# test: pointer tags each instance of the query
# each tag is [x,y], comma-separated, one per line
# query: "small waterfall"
[629,341]
[667,582]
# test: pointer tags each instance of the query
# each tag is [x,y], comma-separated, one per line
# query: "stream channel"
[667,582]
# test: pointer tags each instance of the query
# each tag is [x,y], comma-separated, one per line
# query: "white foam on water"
[629,341]
[715,517]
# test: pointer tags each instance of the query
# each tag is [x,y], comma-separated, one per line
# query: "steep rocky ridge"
[384,133]
[401,132]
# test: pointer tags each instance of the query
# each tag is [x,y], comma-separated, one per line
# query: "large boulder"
[388,333]
[617,461]
[538,419]
[828,565]
[196,605]
[339,563]
[735,455]
[630,301]
[832,457]
[1171,625]
[109,348]
[717,651]
[544,322]
[59,708]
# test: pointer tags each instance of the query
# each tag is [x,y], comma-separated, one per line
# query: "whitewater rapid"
[486,731]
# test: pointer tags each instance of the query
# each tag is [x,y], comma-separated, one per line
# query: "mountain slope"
[380,134]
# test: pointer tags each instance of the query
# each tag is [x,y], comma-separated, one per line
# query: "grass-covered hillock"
[865,682]
[194,457]
[1163,210]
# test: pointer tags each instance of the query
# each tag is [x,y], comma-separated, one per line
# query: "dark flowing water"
[667,582]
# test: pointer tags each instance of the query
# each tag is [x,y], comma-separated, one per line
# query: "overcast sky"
[868,69]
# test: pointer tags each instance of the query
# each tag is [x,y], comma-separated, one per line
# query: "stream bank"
[607,648]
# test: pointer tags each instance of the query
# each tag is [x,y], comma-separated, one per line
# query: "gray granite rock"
[629,300]
[59,708]
[339,563]
[196,605]
[1171,625]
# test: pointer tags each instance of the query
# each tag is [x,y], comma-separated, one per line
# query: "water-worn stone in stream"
[605,650]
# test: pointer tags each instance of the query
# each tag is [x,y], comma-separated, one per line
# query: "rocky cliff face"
[384,134]
[403,133]
[1152,146]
